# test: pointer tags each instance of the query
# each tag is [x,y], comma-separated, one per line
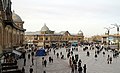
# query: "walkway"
[62,66]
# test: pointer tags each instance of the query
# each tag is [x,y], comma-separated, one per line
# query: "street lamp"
[117,33]
[108,30]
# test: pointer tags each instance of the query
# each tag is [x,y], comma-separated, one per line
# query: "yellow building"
[48,38]
[11,27]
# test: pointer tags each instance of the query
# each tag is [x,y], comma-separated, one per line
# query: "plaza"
[62,65]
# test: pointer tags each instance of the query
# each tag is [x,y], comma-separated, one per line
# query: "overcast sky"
[90,16]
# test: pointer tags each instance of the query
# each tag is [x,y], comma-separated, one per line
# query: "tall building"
[11,27]
[47,38]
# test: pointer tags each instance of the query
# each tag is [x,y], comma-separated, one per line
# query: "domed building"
[11,28]
[17,20]
[47,38]
[45,30]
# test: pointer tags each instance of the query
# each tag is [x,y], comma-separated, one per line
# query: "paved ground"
[62,66]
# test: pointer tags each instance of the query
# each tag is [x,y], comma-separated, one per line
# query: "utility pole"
[108,32]
[117,26]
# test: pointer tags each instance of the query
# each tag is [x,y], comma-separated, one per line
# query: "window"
[46,39]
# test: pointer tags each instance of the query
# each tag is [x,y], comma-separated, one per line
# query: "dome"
[44,28]
[16,18]
[80,32]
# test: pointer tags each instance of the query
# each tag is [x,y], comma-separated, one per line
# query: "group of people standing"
[76,66]
[30,56]
[109,59]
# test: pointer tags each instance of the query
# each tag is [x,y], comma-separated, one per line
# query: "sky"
[89,16]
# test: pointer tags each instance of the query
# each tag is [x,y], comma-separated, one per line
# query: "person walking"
[61,53]
[57,55]
[84,68]
[88,53]
[72,67]
[75,68]
[96,57]
[32,53]
[45,62]
[80,69]
[32,61]
[54,52]
[42,60]
[31,69]
[50,59]
[110,60]
[70,62]
[28,56]
[103,53]
[24,61]
[79,63]
[44,71]
[23,70]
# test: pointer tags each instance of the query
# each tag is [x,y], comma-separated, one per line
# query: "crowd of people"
[75,62]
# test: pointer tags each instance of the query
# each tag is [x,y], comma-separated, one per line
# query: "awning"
[17,52]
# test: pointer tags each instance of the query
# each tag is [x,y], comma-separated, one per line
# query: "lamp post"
[108,32]
[117,26]
[44,41]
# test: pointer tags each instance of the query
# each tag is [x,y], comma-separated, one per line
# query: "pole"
[36,64]
[44,41]
[117,34]
[108,30]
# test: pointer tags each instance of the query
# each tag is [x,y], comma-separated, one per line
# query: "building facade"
[48,38]
[11,27]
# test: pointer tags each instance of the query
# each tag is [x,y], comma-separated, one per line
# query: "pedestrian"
[70,62]
[31,69]
[49,59]
[88,53]
[52,59]
[28,56]
[68,55]
[42,60]
[96,57]
[62,57]
[32,61]
[84,68]
[24,61]
[54,52]
[80,69]
[23,70]
[103,53]
[45,62]
[72,67]
[110,60]
[44,71]
[75,67]
[71,52]
[72,58]
[79,63]
[57,55]
[60,53]
[32,53]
